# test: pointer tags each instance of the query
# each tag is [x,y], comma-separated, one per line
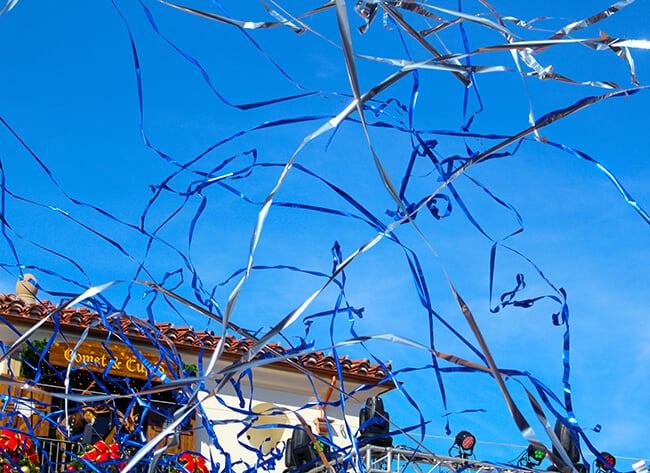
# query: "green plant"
[190,369]
[31,355]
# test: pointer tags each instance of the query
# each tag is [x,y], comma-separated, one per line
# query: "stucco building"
[143,365]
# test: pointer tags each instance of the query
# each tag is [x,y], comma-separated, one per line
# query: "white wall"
[228,432]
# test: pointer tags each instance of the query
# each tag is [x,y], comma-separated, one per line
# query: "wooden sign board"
[94,357]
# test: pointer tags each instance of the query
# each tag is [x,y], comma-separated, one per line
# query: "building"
[137,363]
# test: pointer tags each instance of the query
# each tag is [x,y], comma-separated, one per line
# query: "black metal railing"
[56,455]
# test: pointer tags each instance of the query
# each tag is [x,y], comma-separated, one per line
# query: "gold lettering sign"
[94,357]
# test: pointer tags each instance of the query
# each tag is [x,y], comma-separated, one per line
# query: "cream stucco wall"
[231,432]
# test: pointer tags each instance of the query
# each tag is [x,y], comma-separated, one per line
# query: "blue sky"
[69,91]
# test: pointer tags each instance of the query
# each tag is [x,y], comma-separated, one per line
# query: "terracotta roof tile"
[129,328]
[15,306]
[363,366]
[329,362]
[312,359]
[37,311]
[207,339]
[183,337]
[277,348]
[346,363]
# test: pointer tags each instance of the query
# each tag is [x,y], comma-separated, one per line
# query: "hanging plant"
[17,453]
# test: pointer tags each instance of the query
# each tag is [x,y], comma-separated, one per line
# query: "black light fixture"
[464,443]
[531,457]
[301,450]
[570,446]
[607,465]
[374,423]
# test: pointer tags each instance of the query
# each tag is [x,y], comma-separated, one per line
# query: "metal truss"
[375,459]
[397,460]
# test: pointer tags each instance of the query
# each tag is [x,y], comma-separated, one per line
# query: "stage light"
[374,423]
[531,457]
[608,464]
[464,443]
[568,443]
[570,446]
[301,450]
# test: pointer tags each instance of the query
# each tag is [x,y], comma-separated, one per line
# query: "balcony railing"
[56,455]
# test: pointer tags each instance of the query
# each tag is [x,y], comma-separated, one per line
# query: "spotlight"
[570,446]
[531,457]
[301,450]
[607,465]
[374,423]
[464,443]
[568,443]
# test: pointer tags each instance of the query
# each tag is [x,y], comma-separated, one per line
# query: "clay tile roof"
[276,349]
[186,336]
[312,359]
[92,318]
[207,339]
[378,372]
[183,337]
[228,342]
[346,363]
[37,311]
[164,327]
[241,346]
[129,328]
[16,306]
[329,362]
[363,366]
[73,318]
[171,333]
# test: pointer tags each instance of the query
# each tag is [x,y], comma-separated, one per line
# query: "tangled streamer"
[274,174]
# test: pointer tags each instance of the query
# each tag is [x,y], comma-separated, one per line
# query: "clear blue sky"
[69,90]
